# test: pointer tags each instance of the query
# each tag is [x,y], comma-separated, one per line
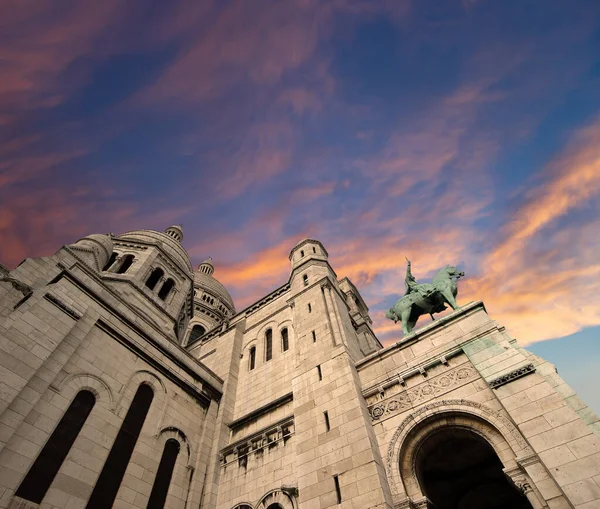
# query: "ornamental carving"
[422,392]
[513,375]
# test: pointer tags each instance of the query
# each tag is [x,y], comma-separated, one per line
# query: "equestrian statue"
[420,299]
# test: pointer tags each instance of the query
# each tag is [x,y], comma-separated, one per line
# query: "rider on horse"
[412,286]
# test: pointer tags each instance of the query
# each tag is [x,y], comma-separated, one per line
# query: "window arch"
[36,483]
[154,278]
[197,332]
[160,488]
[269,344]
[111,260]
[166,289]
[285,343]
[252,358]
[125,264]
[112,473]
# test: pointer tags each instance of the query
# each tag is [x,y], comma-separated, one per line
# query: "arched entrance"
[458,469]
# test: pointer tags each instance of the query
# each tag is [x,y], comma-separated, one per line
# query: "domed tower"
[153,272]
[213,306]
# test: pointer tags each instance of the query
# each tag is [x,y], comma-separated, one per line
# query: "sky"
[463,132]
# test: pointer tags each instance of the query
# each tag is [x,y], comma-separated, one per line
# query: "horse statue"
[426,298]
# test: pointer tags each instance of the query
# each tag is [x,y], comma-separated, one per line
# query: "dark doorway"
[458,469]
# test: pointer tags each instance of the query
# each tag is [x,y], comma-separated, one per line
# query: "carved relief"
[422,392]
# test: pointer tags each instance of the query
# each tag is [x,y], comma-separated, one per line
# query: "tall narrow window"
[319,372]
[285,343]
[166,289]
[112,473]
[314,249]
[158,495]
[111,260]
[269,344]
[125,264]
[197,332]
[338,491]
[46,466]
[326,416]
[252,357]
[154,278]
[309,308]
[314,337]
[302,254]
[305,279]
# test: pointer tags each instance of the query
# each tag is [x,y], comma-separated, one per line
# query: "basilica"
[129,379]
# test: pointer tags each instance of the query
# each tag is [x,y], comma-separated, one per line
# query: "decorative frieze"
[257,443]
[423,392]
[513,375]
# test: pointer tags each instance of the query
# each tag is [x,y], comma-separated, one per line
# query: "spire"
[175,231]
[206,267]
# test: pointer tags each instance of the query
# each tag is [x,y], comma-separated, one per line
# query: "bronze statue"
[420,299]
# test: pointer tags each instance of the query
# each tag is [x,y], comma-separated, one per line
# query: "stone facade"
[289,403]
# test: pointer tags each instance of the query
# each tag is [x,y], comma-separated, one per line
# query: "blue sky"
[463,132]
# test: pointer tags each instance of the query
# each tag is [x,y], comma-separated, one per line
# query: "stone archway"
[458,469]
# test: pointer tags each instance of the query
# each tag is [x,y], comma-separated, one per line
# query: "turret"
[310,263]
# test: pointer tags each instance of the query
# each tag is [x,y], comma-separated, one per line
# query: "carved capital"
[326,285]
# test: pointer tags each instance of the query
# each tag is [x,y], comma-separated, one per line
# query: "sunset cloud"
[385,129]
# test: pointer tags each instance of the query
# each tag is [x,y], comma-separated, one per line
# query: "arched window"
[197,332]
[110,261]
[252,357]
[314,249]
[269,344]
[46,466]
[158,495]
[285,344]
[166,289]
[305,279]
[125,264]
[112,473]
[154,278]
[301,254]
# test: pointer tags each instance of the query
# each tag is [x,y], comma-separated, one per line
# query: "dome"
[100,245]
[170,244]
[204,279]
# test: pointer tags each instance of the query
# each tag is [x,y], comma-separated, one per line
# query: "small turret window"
[269,344]
[314,249]
[197,332]
[305,279]
[285,343]
[125,264]
[166,289]
[154,278]
[113,258]
[302,254]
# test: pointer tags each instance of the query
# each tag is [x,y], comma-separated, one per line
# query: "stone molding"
[512,376]
[255,414]
[421,369]
[252,308]
[422,392]
[62,306]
